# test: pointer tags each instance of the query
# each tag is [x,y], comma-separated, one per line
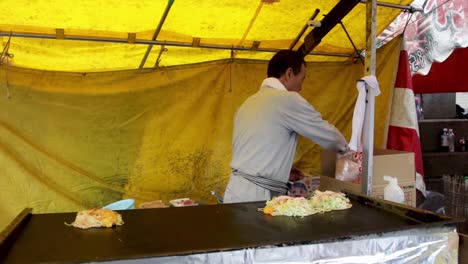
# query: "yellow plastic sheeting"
[220,22]
[72,141]
[65,55]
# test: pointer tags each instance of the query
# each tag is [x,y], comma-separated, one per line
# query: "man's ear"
[288,73]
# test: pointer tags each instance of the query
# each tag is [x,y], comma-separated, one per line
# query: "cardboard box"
[399,164]
[394,163]
[332,184]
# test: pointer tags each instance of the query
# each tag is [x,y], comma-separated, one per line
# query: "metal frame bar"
[314,15]
[252,21]
[402,7]
[156,32]
[158,42]
[352,42]
[368,131]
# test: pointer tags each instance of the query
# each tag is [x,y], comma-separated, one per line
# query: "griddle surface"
[176,231]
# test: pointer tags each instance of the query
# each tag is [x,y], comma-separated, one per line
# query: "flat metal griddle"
[198,229]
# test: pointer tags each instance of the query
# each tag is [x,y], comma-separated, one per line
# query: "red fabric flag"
[403,132]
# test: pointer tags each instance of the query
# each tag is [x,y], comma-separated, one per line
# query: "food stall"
[372,230]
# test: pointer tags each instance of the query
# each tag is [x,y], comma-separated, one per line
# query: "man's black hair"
[282,60]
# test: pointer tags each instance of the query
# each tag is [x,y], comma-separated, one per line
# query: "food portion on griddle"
[97,218]
[320,202]
[183,202]
[154,204]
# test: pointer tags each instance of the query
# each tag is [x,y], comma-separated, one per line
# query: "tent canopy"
[250,25]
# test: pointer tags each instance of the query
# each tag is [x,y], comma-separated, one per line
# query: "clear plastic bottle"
[444,141]
[451,140]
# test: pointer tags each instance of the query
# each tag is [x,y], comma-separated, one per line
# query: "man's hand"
[346,151]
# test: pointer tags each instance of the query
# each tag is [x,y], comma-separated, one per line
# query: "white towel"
[273,83]
[360,109]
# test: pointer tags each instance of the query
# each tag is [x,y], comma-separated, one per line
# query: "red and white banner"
[433,33]
[403,132]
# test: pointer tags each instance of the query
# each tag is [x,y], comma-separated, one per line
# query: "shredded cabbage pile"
[320,202]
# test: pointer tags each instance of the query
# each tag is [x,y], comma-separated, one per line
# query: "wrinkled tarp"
[275,24]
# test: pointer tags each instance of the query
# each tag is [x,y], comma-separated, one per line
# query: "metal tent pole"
[352,42]
[156,32]
[161,43]
[314,37]
[368,133]
[314,15]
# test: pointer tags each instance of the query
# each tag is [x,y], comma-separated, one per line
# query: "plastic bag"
[434,202]
[392,191]
[349,167]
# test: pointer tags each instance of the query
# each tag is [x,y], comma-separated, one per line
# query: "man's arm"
[301,117]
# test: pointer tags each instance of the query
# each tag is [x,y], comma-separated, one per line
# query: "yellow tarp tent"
[71,140]
[273,23]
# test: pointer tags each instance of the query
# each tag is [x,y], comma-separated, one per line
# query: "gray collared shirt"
[265,139]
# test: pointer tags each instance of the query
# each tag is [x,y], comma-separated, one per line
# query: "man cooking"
[265,132]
